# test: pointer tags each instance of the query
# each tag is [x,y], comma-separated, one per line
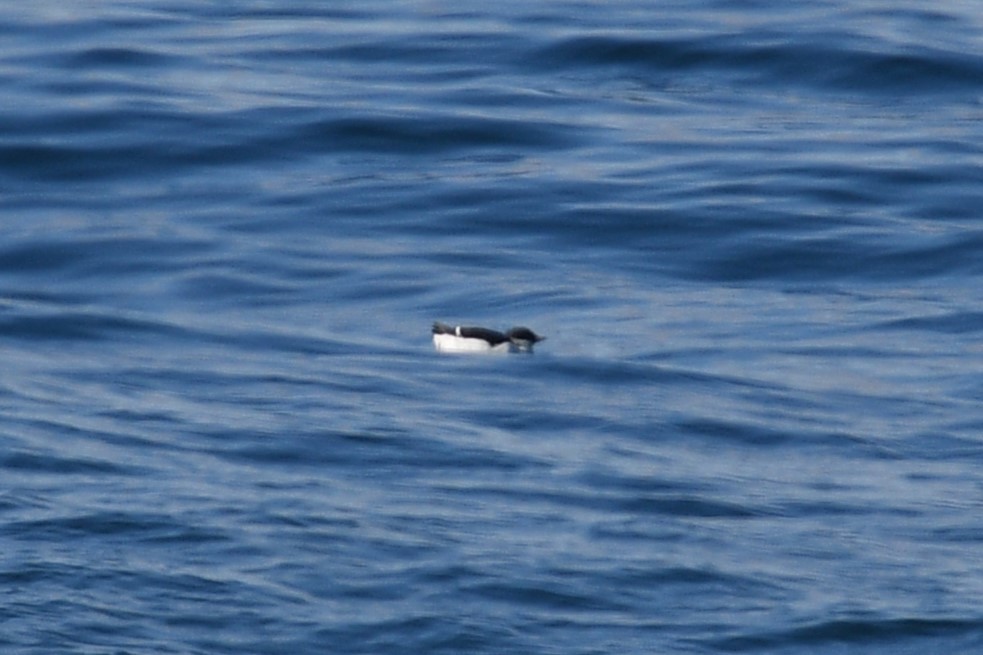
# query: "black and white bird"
[458,339]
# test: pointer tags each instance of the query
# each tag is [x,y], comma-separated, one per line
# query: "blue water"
[750,231]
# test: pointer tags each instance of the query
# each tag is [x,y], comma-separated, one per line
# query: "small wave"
[858,632]
[801,63]
[960,322]
[433,133]
[829,258]
[37,463]
[119,57]
[75,325]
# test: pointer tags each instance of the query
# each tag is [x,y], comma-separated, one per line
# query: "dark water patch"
[74,325]
[687,577]
[601,371]
[433,52]
[191,535]
[94,525]
[891,635]
[236,288]
[118,57]
[428,134]
[79,125]
[688,506]
[141,139]
[283,341]
[817,258]
[446,631]
[744,433]
[842,509]
[626,502]
[959,534]
[27,463]
[829,258]
[640,229]
[377,452]
[63,163]
[532,420]
[954,442]
[960,322]
[806,62]
[459,259]
[624,51]
[78,163]
[617,481]
[952,256]
[921,72]
[30,258]
[288,13]
[547,594]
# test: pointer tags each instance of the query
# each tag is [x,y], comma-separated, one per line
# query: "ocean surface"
[752,233]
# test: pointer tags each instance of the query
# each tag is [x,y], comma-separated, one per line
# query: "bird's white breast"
[451,343]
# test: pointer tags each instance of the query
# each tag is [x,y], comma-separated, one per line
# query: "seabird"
[458,339]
